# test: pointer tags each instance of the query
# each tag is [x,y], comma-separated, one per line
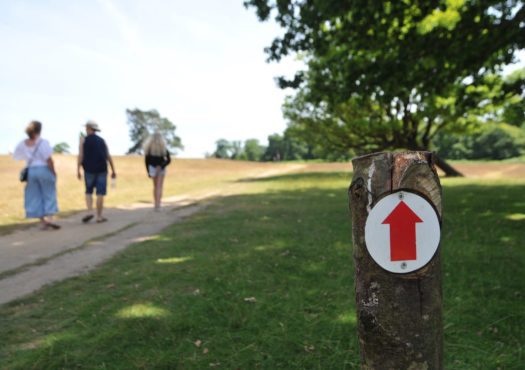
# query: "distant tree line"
[490,141]
[494,129]
[281,147]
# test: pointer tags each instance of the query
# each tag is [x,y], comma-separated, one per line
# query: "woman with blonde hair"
[40,195]
[157,158]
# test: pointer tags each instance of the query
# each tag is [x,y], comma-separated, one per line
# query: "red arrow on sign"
[402,221]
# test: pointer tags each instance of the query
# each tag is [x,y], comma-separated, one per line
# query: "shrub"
[491,141]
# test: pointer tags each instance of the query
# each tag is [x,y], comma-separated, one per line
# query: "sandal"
[50,225]
[54,226]
[87,218]
[100,220]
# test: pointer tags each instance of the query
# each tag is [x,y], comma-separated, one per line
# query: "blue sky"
[201,64]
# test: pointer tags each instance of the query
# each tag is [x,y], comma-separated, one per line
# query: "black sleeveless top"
[95,154]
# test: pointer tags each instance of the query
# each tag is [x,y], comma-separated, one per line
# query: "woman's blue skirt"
[40,198]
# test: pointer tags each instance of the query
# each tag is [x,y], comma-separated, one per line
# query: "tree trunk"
[399,315]
[445,167]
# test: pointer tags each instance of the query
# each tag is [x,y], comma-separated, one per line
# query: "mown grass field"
[265,280]
[184,176]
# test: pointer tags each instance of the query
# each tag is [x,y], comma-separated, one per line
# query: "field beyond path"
[184,176]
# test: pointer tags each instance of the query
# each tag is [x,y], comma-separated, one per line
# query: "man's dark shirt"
[95,154]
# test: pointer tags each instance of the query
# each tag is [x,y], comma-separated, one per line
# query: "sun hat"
[92,125]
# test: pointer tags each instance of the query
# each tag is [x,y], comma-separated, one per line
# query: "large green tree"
[144,123]
[396,72]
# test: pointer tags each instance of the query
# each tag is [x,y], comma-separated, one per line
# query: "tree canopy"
[223,149]
[394,73]
[250,150]
[144,123]
[61,148]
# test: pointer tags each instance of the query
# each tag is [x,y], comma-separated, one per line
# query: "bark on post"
[399,315]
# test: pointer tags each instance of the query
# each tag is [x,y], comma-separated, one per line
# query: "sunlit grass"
[516,216]
[348,318]
[173,260]
[142,310]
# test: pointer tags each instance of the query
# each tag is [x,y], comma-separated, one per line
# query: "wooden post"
[399,315]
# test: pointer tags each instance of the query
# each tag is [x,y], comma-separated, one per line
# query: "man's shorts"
[96,180]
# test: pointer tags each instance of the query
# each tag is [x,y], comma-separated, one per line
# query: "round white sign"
[402,232]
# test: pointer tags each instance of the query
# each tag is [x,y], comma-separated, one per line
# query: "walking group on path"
[40,195]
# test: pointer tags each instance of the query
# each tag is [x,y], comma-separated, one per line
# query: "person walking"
[40,196]
[93,157]
[157,159]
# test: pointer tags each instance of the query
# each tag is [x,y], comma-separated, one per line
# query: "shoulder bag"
[25,172]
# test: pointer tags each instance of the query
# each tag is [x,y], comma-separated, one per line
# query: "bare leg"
[89,202]
[156,198]
[100,206]
[160,182]
[154,180]
[158,190]
[157,202]
[89,206]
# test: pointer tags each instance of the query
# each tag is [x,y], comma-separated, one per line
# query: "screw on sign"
[402,232]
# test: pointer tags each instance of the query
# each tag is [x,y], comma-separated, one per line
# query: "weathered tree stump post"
[399,313]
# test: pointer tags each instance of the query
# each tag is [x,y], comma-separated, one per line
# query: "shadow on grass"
[266,281]
[303,176]
[262,280]
[10,228]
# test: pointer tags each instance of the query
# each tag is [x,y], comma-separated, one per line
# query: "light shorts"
[152,171]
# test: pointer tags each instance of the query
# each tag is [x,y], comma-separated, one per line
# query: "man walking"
[93,156]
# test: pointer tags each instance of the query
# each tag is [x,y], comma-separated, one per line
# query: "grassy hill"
[184,176]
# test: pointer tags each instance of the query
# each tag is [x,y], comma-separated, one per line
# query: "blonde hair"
[155,145]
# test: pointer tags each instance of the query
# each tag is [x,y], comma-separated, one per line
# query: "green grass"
[265,280]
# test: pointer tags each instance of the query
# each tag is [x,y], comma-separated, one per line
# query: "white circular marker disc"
[402,232]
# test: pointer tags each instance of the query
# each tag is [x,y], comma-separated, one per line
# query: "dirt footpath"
[31,258]
[34,258]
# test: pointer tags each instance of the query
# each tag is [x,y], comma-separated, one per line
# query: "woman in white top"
[40,196]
